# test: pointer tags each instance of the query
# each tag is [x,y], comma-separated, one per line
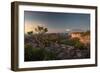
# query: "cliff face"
[84,37]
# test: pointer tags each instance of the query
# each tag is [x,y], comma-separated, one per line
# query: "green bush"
[73,42]
[33,54]
[49,55]
[79,45]
[38,54]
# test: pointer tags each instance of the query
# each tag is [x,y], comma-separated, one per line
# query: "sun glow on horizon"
[31,27]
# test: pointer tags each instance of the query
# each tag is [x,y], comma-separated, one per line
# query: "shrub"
[49,55]
[37,54]
[33,54]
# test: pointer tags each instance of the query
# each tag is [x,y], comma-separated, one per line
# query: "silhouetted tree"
[30,32]
[41,39]
[41,29]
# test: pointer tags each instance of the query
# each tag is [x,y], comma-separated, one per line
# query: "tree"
[85,33]
[41,30]
[30,32]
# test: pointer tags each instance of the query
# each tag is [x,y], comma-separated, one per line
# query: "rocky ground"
[62,51]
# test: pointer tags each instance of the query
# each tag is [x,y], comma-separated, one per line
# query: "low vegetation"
[53,46]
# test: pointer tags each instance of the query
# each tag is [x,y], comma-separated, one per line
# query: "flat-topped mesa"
[75,34]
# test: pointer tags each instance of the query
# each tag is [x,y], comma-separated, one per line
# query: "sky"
[56,22]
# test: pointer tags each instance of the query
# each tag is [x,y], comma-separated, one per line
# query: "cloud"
[68,30]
